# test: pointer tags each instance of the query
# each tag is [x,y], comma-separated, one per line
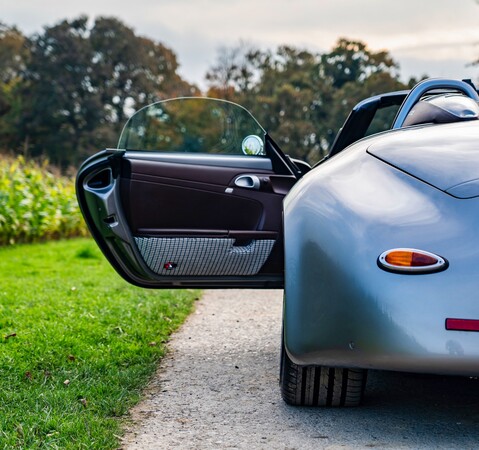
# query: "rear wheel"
[319,385]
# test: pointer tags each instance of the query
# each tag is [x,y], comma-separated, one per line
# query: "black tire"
[319,385]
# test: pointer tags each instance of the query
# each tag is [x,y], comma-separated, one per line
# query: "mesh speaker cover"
[203,256]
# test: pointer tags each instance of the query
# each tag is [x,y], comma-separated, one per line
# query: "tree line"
[303,98]
[66,92]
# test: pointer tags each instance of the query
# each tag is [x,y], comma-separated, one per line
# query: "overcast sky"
[434,37]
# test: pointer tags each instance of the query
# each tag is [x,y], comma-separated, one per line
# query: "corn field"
[36,204]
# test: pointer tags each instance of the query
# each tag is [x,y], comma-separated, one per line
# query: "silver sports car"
[377,246]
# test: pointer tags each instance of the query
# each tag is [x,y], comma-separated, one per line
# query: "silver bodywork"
[341,309]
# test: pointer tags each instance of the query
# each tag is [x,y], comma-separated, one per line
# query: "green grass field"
[77,345]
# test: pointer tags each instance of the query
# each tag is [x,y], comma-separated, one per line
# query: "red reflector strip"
[462,324]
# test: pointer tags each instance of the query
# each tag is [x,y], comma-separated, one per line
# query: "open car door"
[192,197]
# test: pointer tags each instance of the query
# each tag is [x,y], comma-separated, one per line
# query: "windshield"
[194,125]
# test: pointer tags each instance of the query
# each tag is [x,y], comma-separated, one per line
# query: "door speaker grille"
[203,256]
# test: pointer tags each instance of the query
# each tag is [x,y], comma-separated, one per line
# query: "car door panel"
[203,209]
[181,219]
[230,230]
[193,198]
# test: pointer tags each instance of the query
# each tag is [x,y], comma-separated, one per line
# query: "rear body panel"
[341,309]
[423,153]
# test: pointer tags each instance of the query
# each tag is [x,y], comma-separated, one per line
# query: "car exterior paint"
[341,309]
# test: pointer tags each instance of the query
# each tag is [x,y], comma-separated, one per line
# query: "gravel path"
[218,388]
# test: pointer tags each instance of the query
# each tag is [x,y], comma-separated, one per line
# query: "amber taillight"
[410,260]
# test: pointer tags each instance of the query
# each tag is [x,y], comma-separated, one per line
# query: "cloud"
[428,30]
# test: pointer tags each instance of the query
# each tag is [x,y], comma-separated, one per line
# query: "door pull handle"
[248,181]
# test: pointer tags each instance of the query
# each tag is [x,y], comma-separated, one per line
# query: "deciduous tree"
[83,80]
[302,98]
[13,58]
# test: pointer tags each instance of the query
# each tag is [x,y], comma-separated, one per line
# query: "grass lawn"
[77,345]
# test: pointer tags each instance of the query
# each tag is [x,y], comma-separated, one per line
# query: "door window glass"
[194,125]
